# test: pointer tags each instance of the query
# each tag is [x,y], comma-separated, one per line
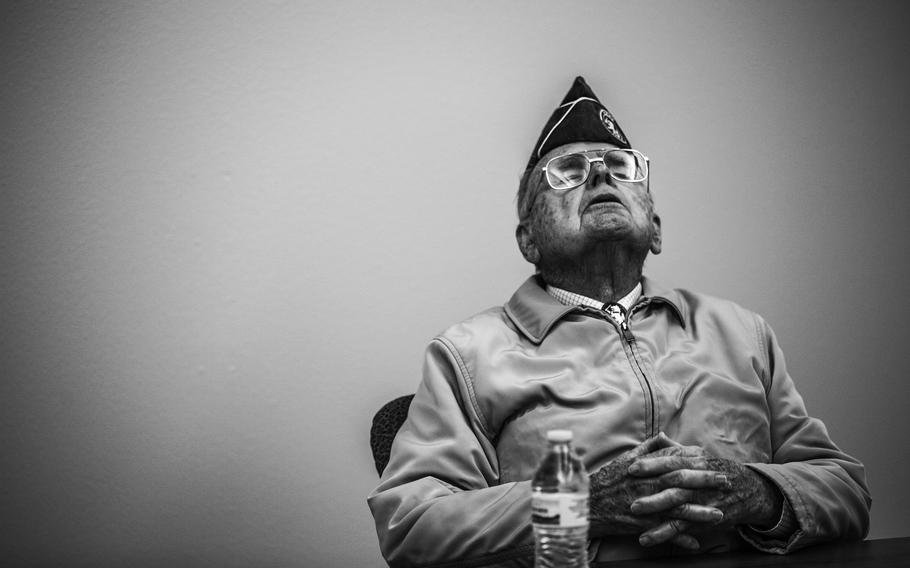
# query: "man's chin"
[608,229]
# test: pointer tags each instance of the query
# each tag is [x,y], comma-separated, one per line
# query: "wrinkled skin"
[747,497]
[662,491]
[592,239]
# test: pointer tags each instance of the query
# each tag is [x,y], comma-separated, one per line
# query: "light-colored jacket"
[703,370]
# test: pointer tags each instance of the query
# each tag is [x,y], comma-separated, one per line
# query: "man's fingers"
[661,501]
[653,444]
[663,532]
[697,513]
[657,465]
[686,541]
[663,441]
[650,445]
[694,479]
[672,530]
[676,503]
[676,449]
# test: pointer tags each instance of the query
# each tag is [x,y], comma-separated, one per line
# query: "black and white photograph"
[426,284]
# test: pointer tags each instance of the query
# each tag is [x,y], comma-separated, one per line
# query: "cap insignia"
[609,124]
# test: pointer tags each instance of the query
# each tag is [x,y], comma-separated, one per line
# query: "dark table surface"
[867,553]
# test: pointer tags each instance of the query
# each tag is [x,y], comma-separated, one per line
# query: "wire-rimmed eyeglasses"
[572,170]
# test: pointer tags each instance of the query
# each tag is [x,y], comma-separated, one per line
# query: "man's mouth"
[604,199]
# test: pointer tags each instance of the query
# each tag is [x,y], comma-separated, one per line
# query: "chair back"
[386,423]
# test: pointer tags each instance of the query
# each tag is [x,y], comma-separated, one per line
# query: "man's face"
[568,223]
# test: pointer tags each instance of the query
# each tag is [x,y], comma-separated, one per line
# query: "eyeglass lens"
[572,170]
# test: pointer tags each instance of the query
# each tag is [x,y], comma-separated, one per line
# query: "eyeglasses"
[572,170]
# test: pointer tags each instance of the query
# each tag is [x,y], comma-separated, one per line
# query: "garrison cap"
[581,117]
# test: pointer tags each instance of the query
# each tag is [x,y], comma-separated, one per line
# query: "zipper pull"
[627,333]
[618,315]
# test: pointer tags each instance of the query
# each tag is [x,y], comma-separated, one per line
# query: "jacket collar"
[534,311]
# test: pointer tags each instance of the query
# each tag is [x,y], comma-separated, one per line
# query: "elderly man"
[695,435]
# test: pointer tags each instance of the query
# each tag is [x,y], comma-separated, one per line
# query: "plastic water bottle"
[559,506]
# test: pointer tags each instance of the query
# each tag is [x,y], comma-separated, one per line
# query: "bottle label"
[559,509]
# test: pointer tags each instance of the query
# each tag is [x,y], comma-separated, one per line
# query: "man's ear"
[656,238]
[526,243]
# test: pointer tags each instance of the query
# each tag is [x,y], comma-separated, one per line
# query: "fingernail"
[645,541]
[634,468]
[635,507]
[718,516]
[721,479]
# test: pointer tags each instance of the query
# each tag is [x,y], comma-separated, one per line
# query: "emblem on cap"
[610,125]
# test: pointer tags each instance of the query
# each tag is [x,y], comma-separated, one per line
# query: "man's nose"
[599,175]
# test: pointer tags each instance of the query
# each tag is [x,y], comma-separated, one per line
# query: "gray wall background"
[230,229]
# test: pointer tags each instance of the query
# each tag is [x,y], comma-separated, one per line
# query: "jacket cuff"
[781,538]
[784,528]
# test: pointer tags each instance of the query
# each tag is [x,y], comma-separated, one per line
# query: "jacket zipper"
[618,316]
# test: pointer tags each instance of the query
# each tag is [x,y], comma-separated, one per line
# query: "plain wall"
[230,229]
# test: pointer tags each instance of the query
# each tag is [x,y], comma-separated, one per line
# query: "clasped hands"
[663,490]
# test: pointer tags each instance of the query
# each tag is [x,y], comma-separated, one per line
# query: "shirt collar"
[573,299]
[535,312]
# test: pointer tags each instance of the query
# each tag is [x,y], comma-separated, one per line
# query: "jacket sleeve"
[439,502]
[825,487]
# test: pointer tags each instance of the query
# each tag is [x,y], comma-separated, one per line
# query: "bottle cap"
[559,435]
